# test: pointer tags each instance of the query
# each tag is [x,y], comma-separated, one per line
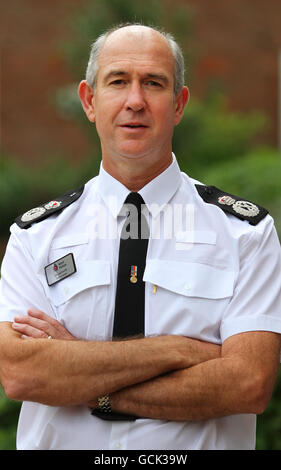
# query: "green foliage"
[9,411]
[255,176]
[269,423]
[14,188]
[209,134]
[258,173]
[23,188]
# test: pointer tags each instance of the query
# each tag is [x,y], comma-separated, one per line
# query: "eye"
[117,82]
[153,83]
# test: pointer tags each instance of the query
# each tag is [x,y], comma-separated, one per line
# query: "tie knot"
[134,198]
[136,225]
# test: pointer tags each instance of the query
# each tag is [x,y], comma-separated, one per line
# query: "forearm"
[143,398]
[241,380]
[201,392]
[58,372]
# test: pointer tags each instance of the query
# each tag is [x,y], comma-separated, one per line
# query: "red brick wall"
[31,70]
[238,42]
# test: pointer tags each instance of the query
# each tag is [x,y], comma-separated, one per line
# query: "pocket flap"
[190,279]
[192,236]
[74,239]
[89,274]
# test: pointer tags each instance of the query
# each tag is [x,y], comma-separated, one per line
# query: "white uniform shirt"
[208,276]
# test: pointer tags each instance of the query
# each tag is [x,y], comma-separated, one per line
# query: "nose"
[135,100]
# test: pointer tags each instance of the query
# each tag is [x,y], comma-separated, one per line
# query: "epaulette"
[45,210]
[244,210]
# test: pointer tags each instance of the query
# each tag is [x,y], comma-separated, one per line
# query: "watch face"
[104,404]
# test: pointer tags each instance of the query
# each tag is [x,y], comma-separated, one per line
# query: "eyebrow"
[114,73]
[158,76]
[120,73]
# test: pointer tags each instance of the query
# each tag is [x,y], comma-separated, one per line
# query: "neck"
[134,176]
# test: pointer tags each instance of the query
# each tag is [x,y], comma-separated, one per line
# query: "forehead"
[136,48]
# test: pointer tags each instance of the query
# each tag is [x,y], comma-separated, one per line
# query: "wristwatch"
[104,404]
[104,411]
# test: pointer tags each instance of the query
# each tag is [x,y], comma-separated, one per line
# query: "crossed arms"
[166,377]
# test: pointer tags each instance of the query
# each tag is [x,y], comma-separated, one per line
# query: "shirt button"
[187,286]
[118,445]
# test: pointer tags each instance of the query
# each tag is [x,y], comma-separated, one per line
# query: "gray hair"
[96,47]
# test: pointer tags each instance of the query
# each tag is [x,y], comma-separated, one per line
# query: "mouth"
[134,126]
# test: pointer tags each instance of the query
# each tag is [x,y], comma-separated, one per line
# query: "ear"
[86,95]
[180,103]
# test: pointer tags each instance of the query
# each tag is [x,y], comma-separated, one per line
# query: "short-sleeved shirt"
[208,276]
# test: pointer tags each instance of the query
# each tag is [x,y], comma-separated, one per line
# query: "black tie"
[130,298]
[130,292]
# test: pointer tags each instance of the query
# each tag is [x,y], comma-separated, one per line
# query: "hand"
[37,324]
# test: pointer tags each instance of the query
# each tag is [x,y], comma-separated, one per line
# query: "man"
[210,355]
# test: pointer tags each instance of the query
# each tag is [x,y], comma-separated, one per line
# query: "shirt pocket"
[81,300]
[186,298]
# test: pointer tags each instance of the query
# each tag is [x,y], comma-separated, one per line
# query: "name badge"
[60,269]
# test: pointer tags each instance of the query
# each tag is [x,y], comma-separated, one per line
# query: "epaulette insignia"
[244,210]
[45,210]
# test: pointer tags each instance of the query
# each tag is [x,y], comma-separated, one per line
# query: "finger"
[36,313]
[28,330]
[40,315]
[44,317]
[33,321]
[43,322]
[50,325]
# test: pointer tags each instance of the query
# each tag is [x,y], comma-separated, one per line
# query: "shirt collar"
[156,193]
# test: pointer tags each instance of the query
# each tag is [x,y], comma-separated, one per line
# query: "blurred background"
[230,135]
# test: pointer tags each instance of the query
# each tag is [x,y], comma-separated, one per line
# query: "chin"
[134,154]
